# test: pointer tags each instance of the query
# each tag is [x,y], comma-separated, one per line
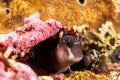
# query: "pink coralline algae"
[12,70]
[33,32]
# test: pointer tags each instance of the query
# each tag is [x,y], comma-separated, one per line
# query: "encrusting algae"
[75,12]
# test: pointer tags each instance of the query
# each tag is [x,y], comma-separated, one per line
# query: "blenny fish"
[69,12]
[56,54]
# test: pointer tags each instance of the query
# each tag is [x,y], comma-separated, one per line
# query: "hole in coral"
[81,2]
[7,11]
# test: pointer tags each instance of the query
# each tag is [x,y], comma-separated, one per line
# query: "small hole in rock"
[7,11]
[81,2]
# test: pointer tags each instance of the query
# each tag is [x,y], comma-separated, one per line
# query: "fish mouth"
[77,59]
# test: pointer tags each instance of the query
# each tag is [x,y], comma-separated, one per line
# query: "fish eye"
[69,42]
[81,2]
